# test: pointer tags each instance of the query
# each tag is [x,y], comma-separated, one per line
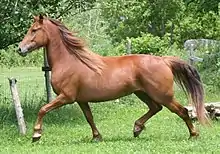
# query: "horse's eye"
[34,30]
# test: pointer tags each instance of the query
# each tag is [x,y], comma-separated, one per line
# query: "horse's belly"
[98,95]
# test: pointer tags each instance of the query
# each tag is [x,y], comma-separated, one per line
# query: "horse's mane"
[76,47]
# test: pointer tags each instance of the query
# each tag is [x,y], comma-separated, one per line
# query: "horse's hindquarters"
[156,79]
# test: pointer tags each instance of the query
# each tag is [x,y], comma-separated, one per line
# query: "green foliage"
[182,19]
[131,18]
[210,65]
[204,5]
[10,58]
[146,44]
[89,26]
[90,29]
[193,26]
[17,15]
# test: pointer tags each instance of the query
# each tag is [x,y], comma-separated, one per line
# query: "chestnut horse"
[82,76]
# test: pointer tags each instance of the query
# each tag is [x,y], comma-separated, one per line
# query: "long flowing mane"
[76,47]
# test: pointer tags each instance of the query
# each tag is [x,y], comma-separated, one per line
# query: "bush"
[10,58]
[196,27]
[210,66]
[146,44]
[90,27]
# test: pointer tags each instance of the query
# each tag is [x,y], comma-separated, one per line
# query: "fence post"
[191,54]
[191,46]
[17,105]
[46,68]
[128,46]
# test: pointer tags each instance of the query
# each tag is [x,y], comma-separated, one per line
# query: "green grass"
[66,130]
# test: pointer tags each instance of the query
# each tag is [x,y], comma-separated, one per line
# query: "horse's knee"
[42,112]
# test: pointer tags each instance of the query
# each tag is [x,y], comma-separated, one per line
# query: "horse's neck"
[57,54]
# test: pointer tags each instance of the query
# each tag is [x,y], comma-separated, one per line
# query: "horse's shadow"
[88,140]
[124,139]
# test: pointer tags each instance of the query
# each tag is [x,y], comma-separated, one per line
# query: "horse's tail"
[189,80]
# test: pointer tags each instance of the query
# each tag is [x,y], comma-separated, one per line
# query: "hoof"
[194,135]
[97,139]
[35,139]
[137,130]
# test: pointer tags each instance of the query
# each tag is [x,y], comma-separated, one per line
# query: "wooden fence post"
[190,46]
[46,68]
[191,55]
[128,46]
[17,105]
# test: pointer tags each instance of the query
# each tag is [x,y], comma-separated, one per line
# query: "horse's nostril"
[19,49]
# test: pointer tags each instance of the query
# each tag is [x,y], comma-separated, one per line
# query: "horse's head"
[35,38]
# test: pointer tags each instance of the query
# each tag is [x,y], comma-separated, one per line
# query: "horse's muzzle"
[23,54]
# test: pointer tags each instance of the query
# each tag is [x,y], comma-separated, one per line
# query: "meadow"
[66,130]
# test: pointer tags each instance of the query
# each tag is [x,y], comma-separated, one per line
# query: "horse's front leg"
[58,102]
[88,115]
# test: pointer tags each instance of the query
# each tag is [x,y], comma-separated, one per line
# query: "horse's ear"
[41,18]
[35,18]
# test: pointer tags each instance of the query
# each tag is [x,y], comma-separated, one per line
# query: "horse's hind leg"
[182,112]
[153,109]
[88,115]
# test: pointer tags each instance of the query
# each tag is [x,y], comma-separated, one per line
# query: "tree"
[178,19]
[15,15]
[201,20]
[131,18]
[204,5]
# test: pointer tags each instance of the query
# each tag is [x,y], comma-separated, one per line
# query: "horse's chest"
[56,85]
[64,84]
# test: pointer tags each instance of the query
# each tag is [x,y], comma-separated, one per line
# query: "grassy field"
[66,130]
